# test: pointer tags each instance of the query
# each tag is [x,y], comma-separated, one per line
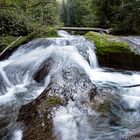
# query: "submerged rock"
[133,136]
[43,70]
[110,106]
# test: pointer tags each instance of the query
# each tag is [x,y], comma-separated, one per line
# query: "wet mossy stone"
[111,107]
[54,100]
[37,117]
[113,52]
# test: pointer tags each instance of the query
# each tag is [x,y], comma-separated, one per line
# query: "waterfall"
[19,70]
[19,84]
[93,59]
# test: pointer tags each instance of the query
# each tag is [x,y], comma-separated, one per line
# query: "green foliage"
[29,19]
[5,41]
[121,15]
[78,13]
[88,17]
[47,32]
[11,24]
[127,18]
[19,17]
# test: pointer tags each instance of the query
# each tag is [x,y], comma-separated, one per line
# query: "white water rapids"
[17,86]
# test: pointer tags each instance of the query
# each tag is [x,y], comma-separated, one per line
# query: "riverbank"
[12,42]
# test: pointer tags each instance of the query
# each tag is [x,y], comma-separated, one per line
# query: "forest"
[121,15]
[19,17]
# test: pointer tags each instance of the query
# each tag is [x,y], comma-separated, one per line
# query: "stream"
[75,56]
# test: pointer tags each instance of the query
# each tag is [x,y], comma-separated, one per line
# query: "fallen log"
[86,29]
[131,86]
[18,42]
[7,48]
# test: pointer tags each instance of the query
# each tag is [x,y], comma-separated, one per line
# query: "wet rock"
[7,119]
[110,48]
[43,70]
[69,83]
[37,118]
[3,127]
[3,133]
[110,106]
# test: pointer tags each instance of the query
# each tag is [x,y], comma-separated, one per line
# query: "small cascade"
[67,121]
[70,65]
[93,59]
[63,33]
[7,82]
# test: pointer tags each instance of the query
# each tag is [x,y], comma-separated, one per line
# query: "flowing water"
[18,87]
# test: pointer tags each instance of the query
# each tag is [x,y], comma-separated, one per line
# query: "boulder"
[115,52]
[69,83]
[37,118]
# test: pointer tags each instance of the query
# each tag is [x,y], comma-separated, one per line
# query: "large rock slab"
[69,83]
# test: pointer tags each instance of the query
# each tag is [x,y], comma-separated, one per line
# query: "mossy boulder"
[113,52]
[37,117]
[54,100]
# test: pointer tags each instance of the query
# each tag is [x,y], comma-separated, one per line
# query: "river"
[74,121]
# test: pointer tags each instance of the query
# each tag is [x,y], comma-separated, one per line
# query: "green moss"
[107,43]
[54,100]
